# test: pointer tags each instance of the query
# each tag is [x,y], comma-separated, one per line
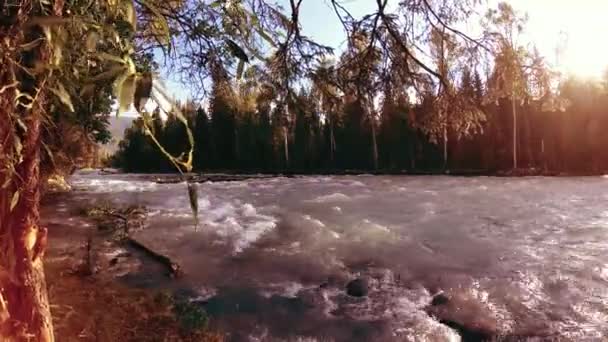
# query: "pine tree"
[223,122]
[202,141]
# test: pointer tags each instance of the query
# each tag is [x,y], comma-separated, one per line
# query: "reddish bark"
[24,286]
[24,307]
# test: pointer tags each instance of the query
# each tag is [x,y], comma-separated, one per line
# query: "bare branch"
[451,29]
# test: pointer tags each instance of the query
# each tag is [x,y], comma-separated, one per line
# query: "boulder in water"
[357,288]
[440,299]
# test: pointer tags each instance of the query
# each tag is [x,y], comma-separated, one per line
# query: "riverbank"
[89,303]
[240,175]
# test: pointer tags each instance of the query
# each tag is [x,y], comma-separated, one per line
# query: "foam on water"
[335,197]
[375,226]
[113,185]
[248,210]
[286,289]
[516,250]
[314,220]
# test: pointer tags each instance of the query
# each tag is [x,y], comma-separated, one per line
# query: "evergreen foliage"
[227,139]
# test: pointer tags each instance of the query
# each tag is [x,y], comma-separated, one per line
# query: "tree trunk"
[526,139]
[286,146]
[514,132]
[24,307]
[542,154]
[237,153]
[374,145]
[412,151]
[445,148]
[332,144]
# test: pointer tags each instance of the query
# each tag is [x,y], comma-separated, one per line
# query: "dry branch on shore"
[174,268]
[120,223]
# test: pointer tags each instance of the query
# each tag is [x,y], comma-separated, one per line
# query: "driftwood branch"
[126,218]
[174,269]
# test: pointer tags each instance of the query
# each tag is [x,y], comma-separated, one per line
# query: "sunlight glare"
[585,56]
[574,27]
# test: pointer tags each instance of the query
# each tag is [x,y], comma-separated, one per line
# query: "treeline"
[249,134]
[488,105]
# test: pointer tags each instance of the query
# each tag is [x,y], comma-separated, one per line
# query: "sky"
[579,27]
[581,24]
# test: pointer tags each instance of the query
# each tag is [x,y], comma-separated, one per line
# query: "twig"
[453,30]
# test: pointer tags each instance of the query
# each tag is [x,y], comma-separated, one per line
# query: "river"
[517,258]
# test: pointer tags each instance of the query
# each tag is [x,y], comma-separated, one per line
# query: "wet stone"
[357,288]
[440,299]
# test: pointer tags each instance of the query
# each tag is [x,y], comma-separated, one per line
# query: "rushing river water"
[521,258]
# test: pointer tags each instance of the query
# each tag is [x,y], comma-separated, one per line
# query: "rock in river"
[440,299]
[357,288]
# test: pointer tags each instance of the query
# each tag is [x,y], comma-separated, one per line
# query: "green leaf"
[60,38]
[91,41]
[160,30]
[130,65]
[130,14]
[22,125]
[57,55]
[110,74]
[31,45]
[7,182]
[266,37]
[260,30]
[239,70]
[193,195]
[216,4]
[18,146]
[49,153]
[159,24]
[143,90]
[63,96]
[160,96]
[285,22]
[47,33]
[14,200]
[254,19]
[257,55]
[124,90]
[237,50]
[107,57]
[87,90]
[147,118]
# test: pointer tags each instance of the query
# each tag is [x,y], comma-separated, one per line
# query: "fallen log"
[175,270]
